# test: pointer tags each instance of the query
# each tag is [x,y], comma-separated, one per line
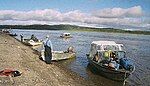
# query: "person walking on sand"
[47,45]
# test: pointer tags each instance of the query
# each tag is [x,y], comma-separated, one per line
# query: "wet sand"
[15,55]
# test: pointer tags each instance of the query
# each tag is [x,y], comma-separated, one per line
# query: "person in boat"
[70,49]
[47,50]
[96,57]
[34,38]
[113,61]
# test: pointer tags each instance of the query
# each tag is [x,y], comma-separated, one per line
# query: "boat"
[65,35]
[11,34]
[60,55]
[31,42]
[110,59]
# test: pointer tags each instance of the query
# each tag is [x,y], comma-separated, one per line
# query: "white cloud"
[74,16]
[105,17]
[119,12]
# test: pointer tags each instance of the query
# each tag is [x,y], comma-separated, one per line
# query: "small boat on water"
[31,42]
[65,35]
[109,58]
[60,55]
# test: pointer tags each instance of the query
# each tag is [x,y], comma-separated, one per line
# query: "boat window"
[93,49]
[121,54]
[98,47]
[111,47]
[122,47]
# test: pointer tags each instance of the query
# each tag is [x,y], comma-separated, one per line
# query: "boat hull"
[110,73]
[59,55]
[31,43]
[66,36]
[13,34]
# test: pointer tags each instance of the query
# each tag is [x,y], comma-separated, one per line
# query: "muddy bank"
[15,55]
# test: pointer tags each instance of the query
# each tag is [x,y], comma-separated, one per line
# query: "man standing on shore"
[21,37]
[47,50]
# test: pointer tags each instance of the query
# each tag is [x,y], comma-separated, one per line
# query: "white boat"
[65,35]
[110,60]
[59,55]
[32,43]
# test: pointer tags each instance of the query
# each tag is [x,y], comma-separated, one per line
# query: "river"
[137,48]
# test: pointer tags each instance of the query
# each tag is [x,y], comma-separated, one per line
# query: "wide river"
[137,48]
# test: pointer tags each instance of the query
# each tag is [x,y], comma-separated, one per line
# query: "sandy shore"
[35,72]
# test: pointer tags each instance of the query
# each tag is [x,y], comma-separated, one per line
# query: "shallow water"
[137,48]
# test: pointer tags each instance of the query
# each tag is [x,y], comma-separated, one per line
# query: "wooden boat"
[30,42]
[59,55]
[100,56]
[65,35]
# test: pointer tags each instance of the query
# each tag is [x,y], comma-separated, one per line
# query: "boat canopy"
[106,45]
[103,42]
[66,33]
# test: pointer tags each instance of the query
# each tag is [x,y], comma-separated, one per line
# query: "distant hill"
[71,27]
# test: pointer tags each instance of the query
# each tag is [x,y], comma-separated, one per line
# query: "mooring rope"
[124,83]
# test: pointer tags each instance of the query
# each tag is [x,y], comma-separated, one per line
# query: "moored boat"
[110,60]
[31,42]
[65,35]
[60,55]
[11,34]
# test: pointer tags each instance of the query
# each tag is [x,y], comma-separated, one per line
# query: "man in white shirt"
[47,50]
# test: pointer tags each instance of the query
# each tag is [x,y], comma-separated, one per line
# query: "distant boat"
[60,55]
[65,35]
[30,42]
[110,60]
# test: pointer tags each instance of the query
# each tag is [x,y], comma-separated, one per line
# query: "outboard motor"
[127,64]
[70,49]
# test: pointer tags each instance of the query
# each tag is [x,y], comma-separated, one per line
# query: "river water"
[137,48]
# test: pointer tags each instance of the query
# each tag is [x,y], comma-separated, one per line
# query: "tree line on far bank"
[71,27]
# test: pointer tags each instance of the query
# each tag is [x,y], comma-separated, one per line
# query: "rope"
[124,83]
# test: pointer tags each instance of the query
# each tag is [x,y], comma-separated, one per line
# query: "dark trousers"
[48,54]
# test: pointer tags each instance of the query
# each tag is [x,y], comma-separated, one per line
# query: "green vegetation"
[73,28]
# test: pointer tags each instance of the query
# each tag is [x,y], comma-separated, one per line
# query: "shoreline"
[74,28]
[18,56]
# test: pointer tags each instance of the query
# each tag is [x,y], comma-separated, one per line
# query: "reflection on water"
[137,48]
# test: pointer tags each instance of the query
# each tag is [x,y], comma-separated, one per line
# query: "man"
[21,37]
[47,50]
[34,38]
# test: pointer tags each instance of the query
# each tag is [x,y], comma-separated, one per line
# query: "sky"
[123,14]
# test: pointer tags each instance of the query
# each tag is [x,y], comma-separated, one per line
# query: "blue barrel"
[127,64]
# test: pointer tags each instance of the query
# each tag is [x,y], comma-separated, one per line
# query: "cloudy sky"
[127,14]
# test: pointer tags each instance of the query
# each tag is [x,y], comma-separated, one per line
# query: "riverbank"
[15,55]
